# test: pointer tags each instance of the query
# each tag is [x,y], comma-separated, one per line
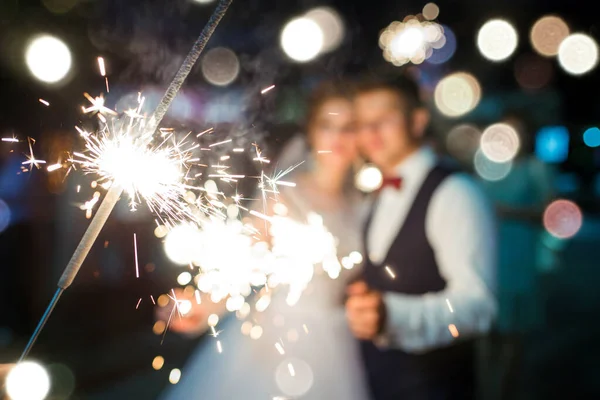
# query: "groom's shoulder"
[458,185]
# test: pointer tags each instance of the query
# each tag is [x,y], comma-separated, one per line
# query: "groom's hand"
[365,311]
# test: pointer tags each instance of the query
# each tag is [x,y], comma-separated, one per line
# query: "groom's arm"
[461,229]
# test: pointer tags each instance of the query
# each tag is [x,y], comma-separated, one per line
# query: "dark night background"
[97,345]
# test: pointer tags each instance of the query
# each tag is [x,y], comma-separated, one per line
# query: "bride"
[305,350]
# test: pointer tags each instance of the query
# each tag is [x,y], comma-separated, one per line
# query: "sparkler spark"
[220,143]
[125,153]
[97,106]
[209,130]
[265,90]
[44,102]
[137,268]
[279,348]
[449,306]
[31,160]
[101,66]
[12,139]
[54,167]
[390,272]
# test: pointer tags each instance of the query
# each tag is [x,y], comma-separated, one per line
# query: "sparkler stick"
[112,196]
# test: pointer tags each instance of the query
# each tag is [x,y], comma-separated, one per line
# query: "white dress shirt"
[461,230]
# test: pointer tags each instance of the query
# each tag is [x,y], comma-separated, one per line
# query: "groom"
[430,244]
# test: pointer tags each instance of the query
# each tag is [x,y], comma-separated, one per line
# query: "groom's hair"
[405,87]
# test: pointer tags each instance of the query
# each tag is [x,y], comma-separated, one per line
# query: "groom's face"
[385,127]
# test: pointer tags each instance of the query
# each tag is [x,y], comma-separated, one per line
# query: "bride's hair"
[323,93]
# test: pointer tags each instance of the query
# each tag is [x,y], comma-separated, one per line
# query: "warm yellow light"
[547,34]
[158,362]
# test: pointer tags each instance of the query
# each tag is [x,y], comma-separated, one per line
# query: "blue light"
[591,137]
[552,144]
[4,215]
[440,56]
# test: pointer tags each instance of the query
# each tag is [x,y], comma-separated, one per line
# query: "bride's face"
[332,134]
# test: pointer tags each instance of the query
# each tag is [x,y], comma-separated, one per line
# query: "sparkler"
[116,189]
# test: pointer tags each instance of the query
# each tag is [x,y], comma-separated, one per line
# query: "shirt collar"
[417,164]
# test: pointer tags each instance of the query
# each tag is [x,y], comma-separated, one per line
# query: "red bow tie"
[393,182]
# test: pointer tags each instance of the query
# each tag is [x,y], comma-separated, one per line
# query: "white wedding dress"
[320,358]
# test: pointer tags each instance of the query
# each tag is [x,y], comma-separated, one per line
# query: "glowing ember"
[390,272]
[265,90]
[453,330]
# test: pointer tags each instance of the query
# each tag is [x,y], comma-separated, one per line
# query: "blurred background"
[512,87]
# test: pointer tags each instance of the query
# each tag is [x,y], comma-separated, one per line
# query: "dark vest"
[394,374]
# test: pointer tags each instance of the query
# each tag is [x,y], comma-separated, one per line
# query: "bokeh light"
[182,244]
[489,170]
[185,306]
[533,71]
[547,34]
[368,178]
[213,320]
[412,40]
[158,362]
[497,40]
[408,42]
[163,300]
[431,11]
[578,54]
[302,39]
[356,257]
[562,219]
[552,144]
[444,53]
[500,142]
[246,328]
[294,377]
[463,141]
[203,1]
[457,94]
[62,381]
[184,278]
[331,24]
[292,336]
[591,138]
[174,376]
[5,215]
[161,231]
[159,327]
[48,58]
[256,332]
[59,6]
[220,66]
[27,381]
